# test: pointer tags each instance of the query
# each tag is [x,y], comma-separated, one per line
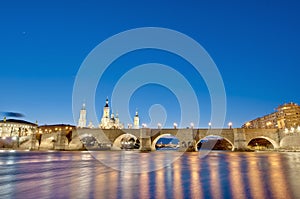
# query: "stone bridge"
[238,138]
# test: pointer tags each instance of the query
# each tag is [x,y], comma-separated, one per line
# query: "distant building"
[91,125]
[82,117]
[285,116]
[288,115]
[44,129]
[18,128]
[136,121]
[109,121]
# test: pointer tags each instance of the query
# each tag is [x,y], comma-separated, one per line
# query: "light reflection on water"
[218,175]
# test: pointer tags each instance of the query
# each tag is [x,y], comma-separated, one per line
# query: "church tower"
[105,117]
[106,110]
[109,121]
[136,121]
[117,119]
[82,117]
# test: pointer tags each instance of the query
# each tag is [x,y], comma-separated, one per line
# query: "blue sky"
[255,45]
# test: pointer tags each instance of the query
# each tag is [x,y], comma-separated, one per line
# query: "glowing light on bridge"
[159,125]
[175,125]
[248,124]
[230,125]
[192,125]
[286,130]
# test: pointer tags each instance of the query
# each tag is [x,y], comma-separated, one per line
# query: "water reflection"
[195,184]
[177,181]
[218,175]
[235,176]
[277,176]
[256,179]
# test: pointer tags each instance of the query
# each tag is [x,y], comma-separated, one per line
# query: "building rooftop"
[55,125]
[18,121]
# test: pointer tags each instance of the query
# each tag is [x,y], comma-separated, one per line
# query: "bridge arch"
[226,139]
[154,142]
[126,141]
[89,140]
[273,142]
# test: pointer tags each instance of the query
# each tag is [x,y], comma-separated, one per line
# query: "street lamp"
[159,125]
[175,125]
[292,129]
[192,125]
[286,130]
[269,124]
[248,125]
[230,125]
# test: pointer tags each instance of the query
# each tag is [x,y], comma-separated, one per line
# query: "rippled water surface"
[130,174]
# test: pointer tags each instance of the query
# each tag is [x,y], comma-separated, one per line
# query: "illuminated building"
[16,128]
[285,116]
[136,121]
[44,129]
[110,121]
[82,117]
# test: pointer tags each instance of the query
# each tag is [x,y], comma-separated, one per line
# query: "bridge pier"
[60,141]
[145,139]
[33,142]
[239,140]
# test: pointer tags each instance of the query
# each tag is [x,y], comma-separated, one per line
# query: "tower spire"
[136,120]
[106,102]
[83,106]
[82,117]
[136,112]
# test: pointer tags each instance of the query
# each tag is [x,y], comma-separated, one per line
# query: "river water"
[160,174]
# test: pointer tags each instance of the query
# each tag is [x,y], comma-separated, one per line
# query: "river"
[160,174]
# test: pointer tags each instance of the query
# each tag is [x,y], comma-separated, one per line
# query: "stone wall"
[290,142]
[238,137]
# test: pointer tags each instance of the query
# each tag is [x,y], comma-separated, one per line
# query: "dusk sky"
[255,45]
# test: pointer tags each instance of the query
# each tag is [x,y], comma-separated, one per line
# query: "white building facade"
[110,121]
[82,117]
[16,128]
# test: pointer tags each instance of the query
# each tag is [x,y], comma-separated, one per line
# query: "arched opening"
[126,142]
[89,141]
[165,142]
[213,142]
[261,143]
